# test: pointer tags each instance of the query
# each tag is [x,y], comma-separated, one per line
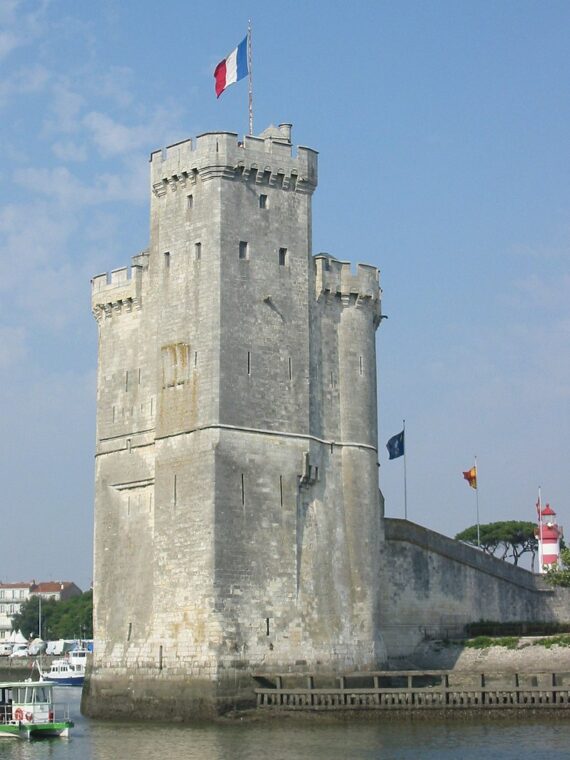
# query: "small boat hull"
[35,730]
[65,681]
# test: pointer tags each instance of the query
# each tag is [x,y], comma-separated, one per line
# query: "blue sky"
[442,129]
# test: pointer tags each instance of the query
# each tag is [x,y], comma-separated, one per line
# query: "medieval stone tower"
[237,518]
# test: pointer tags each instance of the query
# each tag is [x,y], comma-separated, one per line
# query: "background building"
[13,595]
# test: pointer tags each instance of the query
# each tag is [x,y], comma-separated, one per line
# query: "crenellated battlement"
[117,291]
[265,159]
[336,277]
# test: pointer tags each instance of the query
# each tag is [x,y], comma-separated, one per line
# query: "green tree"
[69,619]
[508,539]
[560,576]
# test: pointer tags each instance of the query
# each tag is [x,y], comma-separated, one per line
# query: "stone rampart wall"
[434,585]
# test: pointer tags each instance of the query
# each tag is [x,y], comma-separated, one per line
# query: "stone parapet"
[116,292]
[337,277]
[408,532]
[266,159]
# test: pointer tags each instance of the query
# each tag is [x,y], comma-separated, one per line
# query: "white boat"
[68,670]
[27,711]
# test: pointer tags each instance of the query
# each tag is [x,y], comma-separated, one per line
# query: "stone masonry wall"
[436,585]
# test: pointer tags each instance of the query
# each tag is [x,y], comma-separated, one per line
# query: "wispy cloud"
[20,27]
[24,81]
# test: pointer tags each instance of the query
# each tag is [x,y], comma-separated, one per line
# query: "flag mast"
[540,552]
[250,78]
[405,478]
[477,504]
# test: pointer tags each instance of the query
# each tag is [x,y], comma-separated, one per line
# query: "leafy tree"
[560,576]
[68,619]
[508,539]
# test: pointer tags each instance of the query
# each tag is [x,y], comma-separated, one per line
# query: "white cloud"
[113,138]
[22,82]
[64,108]
[67,150]
[19,28]
[547,292]
[117,85]
[61,185]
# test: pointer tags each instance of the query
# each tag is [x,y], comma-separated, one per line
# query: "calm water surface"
[362,740]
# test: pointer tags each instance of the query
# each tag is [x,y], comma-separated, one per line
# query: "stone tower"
[237,515]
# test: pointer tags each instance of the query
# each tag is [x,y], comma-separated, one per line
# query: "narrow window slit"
[281,489]
[242,490]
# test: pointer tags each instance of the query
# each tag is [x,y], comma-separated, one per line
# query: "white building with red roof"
[13,596]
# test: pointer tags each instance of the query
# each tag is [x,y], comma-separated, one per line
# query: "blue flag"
[395,446]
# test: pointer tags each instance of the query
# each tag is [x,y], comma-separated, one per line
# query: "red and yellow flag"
[471,477]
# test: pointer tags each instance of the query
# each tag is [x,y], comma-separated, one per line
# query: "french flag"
[232,69]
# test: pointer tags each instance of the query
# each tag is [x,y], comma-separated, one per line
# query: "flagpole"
[540,530]
[405,477]
[477,503]
[250,67]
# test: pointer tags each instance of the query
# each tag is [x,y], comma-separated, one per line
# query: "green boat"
[27,711]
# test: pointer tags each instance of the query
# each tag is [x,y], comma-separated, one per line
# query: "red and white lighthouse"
[548,533]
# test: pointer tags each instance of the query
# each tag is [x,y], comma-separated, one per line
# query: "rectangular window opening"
[361,365]
[267,626]
[129,632]
[249,362]
[243,250]
[197,251]
[129,444]
[167,259]
[281,489]
[290,368]
[195,358]
[262,201]
[190,202]
[282,257]
[160,657]
[242,490]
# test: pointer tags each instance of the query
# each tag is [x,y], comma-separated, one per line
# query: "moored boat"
[27,711]
[68,670]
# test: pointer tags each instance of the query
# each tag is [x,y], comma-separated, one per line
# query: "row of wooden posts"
[410,690]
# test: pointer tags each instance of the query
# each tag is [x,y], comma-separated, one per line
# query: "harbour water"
[380,738]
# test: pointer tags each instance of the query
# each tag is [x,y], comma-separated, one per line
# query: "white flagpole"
[405,478]
[477,502]
[250,68]
[540,561]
